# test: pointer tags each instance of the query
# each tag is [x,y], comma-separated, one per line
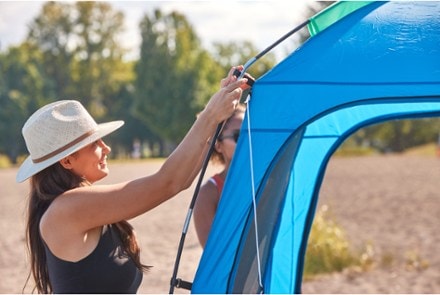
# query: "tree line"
[73,51]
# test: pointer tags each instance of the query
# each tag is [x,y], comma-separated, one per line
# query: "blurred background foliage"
[72,51]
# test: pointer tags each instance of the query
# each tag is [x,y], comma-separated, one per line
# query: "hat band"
[63,148]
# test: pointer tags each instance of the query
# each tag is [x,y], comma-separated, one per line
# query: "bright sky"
[261,22]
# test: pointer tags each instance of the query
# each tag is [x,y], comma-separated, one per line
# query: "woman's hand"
[239,69]
[223,103]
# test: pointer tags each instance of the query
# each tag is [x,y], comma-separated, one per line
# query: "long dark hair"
[45,187]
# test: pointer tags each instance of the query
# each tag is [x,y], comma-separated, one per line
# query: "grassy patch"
[328,249]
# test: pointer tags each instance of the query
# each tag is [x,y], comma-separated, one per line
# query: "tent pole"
[269,48]
[174,281]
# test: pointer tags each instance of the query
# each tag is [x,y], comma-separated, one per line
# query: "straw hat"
[56,131]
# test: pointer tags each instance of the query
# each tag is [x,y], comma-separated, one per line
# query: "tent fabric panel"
[387,39]
[307,101]
[269,198]
[304,186]
[292,222]
[337,123]
[282,256]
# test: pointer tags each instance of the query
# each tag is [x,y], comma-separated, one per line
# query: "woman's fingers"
[225,101]
[230,78]
[237,85]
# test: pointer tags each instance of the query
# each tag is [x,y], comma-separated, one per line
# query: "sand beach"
[391,203]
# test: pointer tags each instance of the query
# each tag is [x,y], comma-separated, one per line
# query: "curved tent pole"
[251,61]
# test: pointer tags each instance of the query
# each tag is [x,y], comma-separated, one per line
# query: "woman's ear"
[65,162]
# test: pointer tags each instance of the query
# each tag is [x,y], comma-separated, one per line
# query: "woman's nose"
[105,148]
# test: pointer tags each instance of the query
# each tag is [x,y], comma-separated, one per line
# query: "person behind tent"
[77,234]
[209,195]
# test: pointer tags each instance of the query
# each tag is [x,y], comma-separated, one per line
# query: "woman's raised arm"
[91,206]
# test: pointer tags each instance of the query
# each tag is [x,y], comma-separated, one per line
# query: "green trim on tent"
[332,14]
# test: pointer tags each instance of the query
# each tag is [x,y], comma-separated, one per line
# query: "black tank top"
[106,270]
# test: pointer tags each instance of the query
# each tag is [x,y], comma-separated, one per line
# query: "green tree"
[52,32]
[81,53]
[23,88]
[133,130]
[98,70]
[168,75]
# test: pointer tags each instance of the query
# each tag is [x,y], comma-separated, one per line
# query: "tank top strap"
[218,181]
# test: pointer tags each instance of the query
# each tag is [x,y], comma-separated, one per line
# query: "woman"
[210,192]
[78,238]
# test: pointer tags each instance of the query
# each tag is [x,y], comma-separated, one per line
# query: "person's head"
[227,139]
[64,132]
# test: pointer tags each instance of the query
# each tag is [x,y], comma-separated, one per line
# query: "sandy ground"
[389,202]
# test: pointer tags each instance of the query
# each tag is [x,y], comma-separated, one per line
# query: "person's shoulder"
[209,189]
[209,185]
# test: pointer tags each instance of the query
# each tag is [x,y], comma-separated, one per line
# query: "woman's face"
[226,144]
[90,162]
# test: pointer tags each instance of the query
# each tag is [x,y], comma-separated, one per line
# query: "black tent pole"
[269,48]
[174,281]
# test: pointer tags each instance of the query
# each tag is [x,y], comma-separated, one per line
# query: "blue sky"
[261,22]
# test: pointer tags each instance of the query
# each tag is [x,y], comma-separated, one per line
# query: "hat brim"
[29,168]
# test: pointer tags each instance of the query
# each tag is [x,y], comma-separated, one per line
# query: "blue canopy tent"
[380,61]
